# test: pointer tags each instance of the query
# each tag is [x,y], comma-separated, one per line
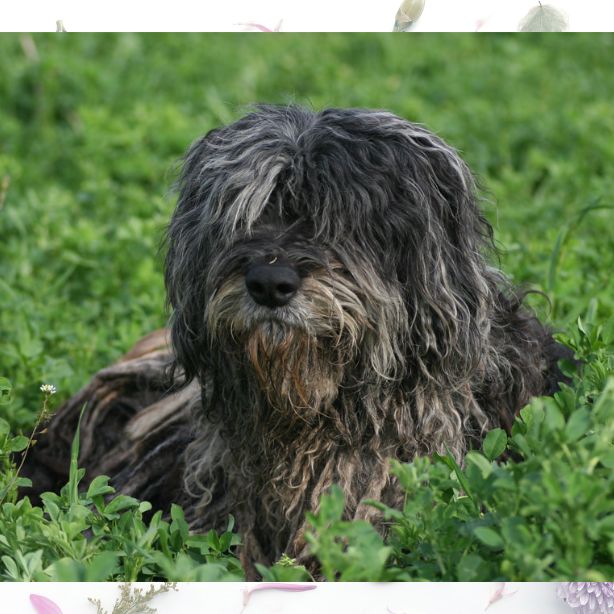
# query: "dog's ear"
[187,253]
[448,285]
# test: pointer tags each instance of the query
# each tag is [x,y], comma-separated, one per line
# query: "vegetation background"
[92,128]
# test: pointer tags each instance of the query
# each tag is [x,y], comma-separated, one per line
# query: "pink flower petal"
[276,586]
[498,595]
[44,606]
[257,26]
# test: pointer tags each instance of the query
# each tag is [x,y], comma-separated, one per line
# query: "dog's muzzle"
[272,285]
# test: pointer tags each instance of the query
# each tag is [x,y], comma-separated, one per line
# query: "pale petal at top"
[544,18]
[408,13]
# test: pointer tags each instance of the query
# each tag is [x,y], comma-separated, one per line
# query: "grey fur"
[401,341]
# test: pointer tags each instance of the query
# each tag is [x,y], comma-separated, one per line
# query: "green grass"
[91,130]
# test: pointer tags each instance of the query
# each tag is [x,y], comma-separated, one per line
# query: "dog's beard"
[292,368]
[299,353]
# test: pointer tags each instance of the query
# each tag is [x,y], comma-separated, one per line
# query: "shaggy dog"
[332,297]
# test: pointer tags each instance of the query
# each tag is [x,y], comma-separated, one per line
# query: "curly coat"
[401,340]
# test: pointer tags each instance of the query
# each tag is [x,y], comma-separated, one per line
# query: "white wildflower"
[48,389]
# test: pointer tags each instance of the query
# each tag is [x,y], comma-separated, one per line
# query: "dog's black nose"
[272,285]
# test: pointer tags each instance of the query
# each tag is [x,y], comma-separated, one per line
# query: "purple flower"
[588,597]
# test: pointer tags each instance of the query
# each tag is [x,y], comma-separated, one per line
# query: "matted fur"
[401,340]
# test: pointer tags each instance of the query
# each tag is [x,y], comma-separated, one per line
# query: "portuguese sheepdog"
[332,296]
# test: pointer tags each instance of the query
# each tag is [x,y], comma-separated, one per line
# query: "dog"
[332,295]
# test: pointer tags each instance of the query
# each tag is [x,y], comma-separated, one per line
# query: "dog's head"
[310,246]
